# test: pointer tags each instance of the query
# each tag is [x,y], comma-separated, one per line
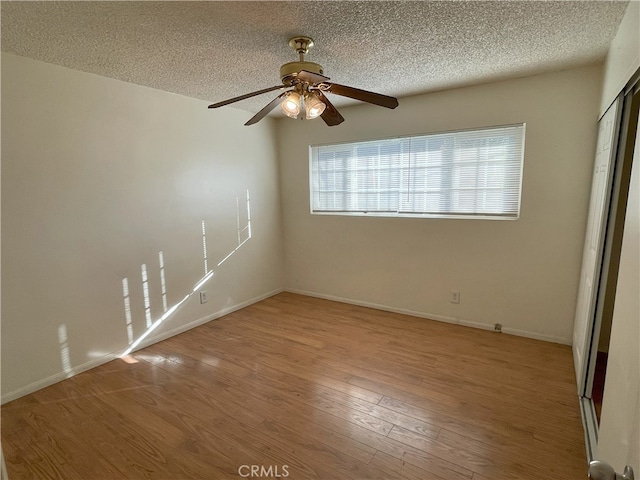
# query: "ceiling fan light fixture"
[291,105]
[314,106]
[305,87]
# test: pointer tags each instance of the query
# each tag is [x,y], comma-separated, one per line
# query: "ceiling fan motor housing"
[289,71]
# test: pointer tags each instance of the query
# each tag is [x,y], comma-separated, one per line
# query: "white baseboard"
[537,336]
[377,306]
[58,377]
[434,316]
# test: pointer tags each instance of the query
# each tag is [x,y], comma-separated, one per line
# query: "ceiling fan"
[305,88]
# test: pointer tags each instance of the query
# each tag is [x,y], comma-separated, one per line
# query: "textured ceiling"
[217,50]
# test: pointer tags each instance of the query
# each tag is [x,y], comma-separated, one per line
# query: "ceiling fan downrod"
[289,71]
[301,45]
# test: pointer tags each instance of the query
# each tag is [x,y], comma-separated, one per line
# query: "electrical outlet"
[455,296]
[203,296]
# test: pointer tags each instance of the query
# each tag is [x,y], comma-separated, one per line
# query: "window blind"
[471,173]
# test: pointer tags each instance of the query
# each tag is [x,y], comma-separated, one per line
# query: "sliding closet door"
[619,433]
[584,325]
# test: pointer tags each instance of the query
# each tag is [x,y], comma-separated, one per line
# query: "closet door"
[584,324]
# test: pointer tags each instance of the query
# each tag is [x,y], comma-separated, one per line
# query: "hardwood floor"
[309,389]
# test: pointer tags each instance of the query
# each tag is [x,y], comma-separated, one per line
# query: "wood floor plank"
[206,445]
[315,433]
[329,390]
[401,468]
[288,413]
[45,458]
[463,418]
[409,454]
[512,456]
[464,458]
[349,425]
[332,401]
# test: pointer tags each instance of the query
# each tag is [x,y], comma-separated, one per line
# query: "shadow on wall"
[243,236]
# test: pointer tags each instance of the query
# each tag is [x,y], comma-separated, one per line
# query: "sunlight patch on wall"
[147,299]
[65,355]
[163,283]
[204,247]
[244,230]
[248,215]
[127,310]
[202,281]
[238,218]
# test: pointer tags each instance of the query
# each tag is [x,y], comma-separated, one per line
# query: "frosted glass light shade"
[291,105]
[314,107]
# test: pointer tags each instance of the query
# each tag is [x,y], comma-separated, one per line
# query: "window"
[472,173]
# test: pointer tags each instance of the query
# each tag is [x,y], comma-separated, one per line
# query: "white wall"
[98,177]
[522,274]
[623,58]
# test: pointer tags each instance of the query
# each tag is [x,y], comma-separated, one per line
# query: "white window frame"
[478,175]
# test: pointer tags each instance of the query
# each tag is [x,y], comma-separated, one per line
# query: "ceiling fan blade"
[263,113]
[364,95]
[331,116]
[248,95]
[311,77]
